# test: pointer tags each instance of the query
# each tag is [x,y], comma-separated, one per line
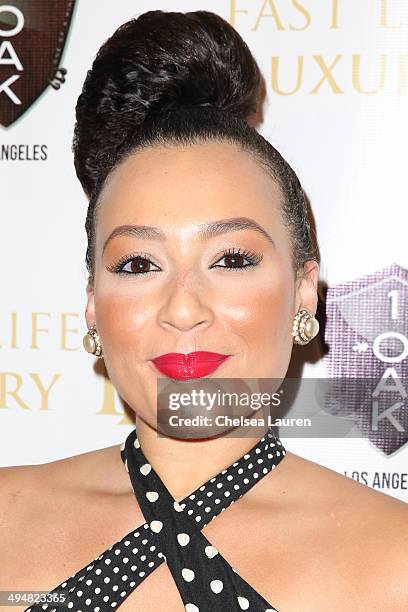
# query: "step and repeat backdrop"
[336,78]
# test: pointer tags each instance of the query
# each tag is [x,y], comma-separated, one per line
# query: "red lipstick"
[190,365]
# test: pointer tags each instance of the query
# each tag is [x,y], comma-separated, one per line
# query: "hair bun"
[154,64]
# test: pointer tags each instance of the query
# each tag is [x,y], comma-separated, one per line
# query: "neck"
[184,465]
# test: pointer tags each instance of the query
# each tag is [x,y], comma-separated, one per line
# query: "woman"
[198,242]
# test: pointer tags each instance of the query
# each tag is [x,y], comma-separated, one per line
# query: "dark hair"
[168,78]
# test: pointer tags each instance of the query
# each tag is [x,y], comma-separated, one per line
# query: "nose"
[186,305]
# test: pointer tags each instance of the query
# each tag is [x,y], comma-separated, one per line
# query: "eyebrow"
[206,230]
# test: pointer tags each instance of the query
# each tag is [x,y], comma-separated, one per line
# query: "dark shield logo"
[32,39]
[367,334]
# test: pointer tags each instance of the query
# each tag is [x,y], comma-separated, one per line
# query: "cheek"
[122,318]
[261,313]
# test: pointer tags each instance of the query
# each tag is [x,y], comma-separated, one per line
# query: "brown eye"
[133,266]
[138,265]
[235,259]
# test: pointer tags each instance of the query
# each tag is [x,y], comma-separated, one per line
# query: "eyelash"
[251,256]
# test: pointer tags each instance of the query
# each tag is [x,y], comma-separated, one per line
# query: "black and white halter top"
[172,534]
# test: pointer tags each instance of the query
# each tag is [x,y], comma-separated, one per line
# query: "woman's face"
[183,294]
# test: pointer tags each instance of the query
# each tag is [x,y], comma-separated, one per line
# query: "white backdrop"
[336,73]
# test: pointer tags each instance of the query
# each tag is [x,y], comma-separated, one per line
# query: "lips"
[191,365]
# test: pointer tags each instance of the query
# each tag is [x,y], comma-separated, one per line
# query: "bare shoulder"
[367,525]
[95,470]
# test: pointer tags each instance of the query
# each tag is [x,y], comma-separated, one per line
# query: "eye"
[235,259]
[133,265]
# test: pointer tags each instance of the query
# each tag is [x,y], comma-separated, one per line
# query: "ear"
[90,306]
[306,290]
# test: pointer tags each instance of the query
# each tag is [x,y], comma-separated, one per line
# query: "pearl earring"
[92,343]
[305,327]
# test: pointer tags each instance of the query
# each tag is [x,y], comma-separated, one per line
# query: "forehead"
[184,184]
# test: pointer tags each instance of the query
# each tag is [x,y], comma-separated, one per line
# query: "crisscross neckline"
[172,534]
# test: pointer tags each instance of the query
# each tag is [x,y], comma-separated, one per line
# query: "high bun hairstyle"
[176,78]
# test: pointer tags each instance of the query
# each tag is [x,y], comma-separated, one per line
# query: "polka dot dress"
[172,534]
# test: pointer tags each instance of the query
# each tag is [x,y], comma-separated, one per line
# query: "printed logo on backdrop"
[32,39]
[367,334]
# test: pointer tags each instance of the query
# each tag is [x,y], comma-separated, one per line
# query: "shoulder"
[368,526]
[99,471]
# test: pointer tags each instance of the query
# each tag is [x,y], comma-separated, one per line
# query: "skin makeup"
[192,255]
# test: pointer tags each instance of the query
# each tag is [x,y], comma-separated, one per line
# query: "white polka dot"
[187,574]
[243,603]
[145,469]
[152,496]
[156,526]
[211,551]
[178,507]
[88,601]
[216,586]
[192,608]
[136,443]
[183,539]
